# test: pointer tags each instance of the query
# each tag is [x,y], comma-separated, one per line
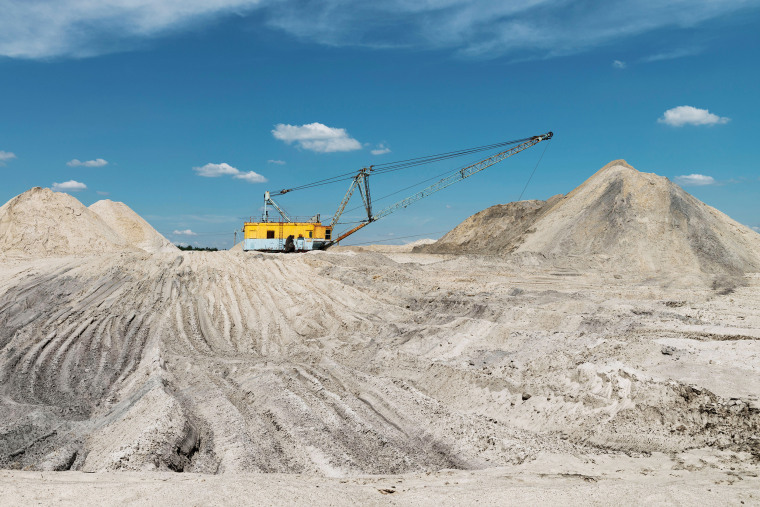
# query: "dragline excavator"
[290,234]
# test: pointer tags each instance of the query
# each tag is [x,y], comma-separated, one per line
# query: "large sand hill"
[619,220]
[42,223]
[361,370]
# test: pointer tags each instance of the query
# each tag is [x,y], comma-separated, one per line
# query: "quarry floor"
[367,377]
[711,479]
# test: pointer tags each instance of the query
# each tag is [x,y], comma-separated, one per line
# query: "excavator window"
[270,234]
[310,234]
[328,232]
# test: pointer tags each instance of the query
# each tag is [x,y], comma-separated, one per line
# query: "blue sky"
[189,111]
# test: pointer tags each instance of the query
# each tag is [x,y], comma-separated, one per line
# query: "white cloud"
[671,55]
[98,162]
[224,169]
[695,180]
[186,232]
[69,186]
[276,162]
[215,170]
[316,137]
[381,149]
[619,64]
[488,28]
[756,229]
[101,192]
[6,156]
[688,115]
[81,28]
[42,29]
[251,177]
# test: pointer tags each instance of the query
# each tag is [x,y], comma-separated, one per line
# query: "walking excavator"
[286,234]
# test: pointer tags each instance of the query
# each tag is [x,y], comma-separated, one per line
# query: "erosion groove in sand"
[300,364]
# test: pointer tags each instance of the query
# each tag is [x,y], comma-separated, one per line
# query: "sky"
[188,111]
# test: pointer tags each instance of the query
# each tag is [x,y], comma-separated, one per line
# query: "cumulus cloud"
[688,115]
[250,177]
[619,64]
[98,162]
[381,149]
[6,156]
[69,186]
[276,162]
[316,137]
[224,169]
[186,232]
[215,170]
[695,180]
[486,28]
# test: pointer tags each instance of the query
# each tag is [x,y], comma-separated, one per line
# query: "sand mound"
[420,242]
[131,226]
[497,229]
[619,218]
[43,223]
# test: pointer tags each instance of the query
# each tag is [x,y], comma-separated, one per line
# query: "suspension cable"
[403,164]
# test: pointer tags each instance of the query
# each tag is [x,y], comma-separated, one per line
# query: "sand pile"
[498,229]
[43,223]
[619,219]
[131,226]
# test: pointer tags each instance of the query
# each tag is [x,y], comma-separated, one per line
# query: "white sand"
[42,223]
[619,220]
[131,226]
[324,370]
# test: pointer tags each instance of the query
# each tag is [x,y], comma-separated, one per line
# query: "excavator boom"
[458,176]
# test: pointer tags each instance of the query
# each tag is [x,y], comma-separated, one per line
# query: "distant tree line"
[197,248]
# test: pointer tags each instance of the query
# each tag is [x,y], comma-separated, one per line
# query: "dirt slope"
[495,230]
[131,226]
[644,222]
[43,223]
[619,219]
[339,364]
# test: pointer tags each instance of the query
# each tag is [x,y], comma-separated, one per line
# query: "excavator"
[291,234]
